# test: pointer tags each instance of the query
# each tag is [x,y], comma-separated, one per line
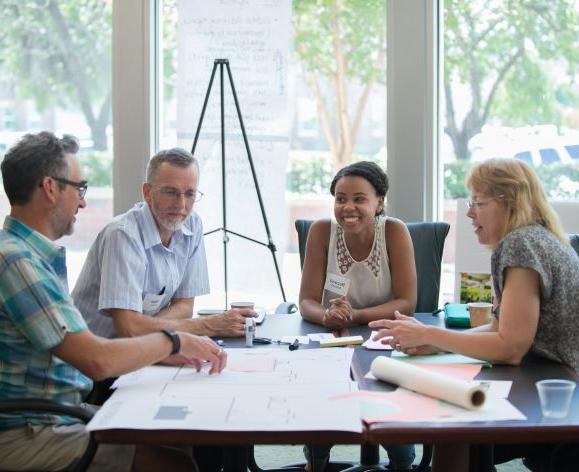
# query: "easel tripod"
[224,63]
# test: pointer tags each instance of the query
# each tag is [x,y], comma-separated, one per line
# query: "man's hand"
[197,349]
[228,324]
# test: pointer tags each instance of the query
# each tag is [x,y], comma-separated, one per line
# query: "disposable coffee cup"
[243,305]
[555,396]
[480,313]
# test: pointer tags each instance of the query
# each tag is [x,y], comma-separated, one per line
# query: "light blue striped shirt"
[127,264]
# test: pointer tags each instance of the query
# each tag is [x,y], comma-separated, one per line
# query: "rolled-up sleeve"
[124,265]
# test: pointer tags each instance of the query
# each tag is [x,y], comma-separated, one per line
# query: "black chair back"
[573,238]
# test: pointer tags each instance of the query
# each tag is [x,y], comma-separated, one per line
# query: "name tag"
[337,284]
[152,303]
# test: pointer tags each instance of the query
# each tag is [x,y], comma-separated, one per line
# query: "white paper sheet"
[320,336]
[259,411]
[497,388]
[290,391]
[377,345]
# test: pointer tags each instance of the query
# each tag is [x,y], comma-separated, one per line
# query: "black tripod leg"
[204,108]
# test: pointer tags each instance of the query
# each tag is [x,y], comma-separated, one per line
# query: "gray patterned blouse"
[557,264]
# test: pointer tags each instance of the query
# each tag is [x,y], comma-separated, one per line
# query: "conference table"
[523,395]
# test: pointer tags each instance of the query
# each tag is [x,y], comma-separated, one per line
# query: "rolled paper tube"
[412,377]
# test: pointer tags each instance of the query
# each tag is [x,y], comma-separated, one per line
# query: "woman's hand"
[421,350]
[406,332]
[339,314]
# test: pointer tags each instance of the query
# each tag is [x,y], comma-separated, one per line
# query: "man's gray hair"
[174,156]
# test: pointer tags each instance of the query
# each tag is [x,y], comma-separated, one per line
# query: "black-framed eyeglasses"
[82,186]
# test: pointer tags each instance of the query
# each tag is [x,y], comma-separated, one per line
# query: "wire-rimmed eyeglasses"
[82,186]
[173,194]
[473,204]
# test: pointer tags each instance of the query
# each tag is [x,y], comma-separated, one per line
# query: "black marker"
[293,346]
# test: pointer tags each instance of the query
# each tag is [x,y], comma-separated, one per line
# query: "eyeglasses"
[82,186]
[478,204]
[173,194]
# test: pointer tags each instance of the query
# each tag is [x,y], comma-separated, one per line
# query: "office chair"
[574,240]
[428,242]
[48,406]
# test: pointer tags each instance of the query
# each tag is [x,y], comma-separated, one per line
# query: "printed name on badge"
[337,284]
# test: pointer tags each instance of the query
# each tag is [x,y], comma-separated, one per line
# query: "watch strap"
[174,337]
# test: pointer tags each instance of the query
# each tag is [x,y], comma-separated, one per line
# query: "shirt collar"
[151,235]
[37,241]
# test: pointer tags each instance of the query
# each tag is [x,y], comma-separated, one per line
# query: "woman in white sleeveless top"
[358,268]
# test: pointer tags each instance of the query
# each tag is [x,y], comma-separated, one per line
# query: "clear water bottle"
[249,331]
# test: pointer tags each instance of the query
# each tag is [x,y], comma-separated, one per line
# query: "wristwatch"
[174,337]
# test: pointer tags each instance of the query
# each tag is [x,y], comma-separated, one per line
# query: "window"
[55,75]
[296,68]
[510,90]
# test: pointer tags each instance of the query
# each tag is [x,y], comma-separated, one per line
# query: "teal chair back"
[428,241]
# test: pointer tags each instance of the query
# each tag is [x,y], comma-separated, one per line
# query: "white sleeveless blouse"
[370,279]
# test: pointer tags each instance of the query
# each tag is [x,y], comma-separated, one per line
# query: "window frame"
[413,64]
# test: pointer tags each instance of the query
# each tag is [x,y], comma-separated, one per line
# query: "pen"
[293,346]
[162,291]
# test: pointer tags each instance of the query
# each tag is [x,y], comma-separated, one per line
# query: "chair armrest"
[45,406]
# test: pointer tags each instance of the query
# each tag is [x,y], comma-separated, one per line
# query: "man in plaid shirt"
[46,350]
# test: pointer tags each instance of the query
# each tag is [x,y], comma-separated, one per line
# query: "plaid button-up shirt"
[36,311]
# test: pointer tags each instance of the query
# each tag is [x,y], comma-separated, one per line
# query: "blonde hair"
[515,184]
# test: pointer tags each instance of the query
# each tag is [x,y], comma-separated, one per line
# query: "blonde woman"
[535,276]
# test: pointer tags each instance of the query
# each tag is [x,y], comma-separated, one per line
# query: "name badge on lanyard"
[337,284]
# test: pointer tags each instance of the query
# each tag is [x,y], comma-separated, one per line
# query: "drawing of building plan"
[259,390]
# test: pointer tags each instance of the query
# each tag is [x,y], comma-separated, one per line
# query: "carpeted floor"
[276,456]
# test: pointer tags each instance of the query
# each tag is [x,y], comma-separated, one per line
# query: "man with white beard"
[146,267]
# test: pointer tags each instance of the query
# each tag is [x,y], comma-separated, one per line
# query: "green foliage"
[517,59]
[313,175]
[97,167]
[560,181]
[454,176]
[58,53]
[170,48]
[362,32]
